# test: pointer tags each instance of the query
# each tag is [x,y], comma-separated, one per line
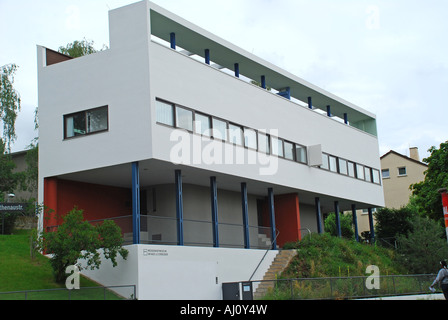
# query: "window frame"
[173,113]
[402,174]
[85,112]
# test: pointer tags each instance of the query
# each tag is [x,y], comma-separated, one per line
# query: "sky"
[389,57]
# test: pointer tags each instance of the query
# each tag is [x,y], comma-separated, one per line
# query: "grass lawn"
[18,272]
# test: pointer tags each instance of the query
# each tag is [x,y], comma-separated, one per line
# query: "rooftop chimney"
[413,153]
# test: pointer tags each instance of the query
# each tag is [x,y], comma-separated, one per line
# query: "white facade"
[138,70]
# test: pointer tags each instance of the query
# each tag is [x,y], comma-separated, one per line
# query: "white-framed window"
[385,173]
[402,171]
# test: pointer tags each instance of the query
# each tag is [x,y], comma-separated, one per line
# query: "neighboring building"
[165,133]
[19,159]
[399,172]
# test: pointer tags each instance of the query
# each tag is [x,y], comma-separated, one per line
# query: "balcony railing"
[163,231]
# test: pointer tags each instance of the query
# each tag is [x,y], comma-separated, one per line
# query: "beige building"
[398,173]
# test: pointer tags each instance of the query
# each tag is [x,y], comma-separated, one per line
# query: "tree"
[422,248]
[77,240]
[426,192]
[346,225]
[393,222]
[79,48]
[10,104]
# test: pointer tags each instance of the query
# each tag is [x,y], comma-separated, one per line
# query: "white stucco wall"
[182,273]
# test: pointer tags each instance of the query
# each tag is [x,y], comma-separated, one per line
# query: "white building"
[165,133]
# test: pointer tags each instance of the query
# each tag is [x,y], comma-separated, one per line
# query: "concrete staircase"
[279,264]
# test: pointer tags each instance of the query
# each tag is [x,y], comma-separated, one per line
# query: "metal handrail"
[262,259]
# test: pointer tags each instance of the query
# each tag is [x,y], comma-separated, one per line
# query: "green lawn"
[19,272]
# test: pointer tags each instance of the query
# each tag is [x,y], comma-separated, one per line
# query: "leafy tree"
[79,48]
[346,225]
[422,248]
[426,192]
[10,104]
[393,222]
[77,240]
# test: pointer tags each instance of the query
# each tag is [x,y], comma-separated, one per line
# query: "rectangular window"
[263,143]
[301,154]
[385,173]
[351,169]
[86,122]
[343,166]
[164,113]
[333,164]
[202,124]
[235,134]
[250,138]
[402,171]
[325,161]
[184,119]
[277,147]
[359,171]
[367,174]
[289,150]
[376,176]
[219,129]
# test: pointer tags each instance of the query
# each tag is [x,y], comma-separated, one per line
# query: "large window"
[219,129]
[277,147]
[333,166]
[86,122]
[359,171]
[301,154]
[289,150]
[164,113]
[263,143]
[206,125]
[202,124]
[235,134]
[250,138]
[184,119]
[343,166]
[324,161]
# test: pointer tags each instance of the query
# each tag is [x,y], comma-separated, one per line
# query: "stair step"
[279,264]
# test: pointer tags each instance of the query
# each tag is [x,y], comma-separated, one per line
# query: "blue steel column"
[135,203]
[329,111]
[214,202]
[355,222]
[345,118]
[207,56]
[263,82]
[372,228]
[272,217]
[179,208]
[173,40]
[310,102]
[318,215]
[338,221]
[245,215]
[237,70]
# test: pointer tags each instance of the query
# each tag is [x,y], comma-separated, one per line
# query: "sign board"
[13,207]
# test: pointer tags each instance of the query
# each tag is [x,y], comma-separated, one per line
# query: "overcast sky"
[389,57]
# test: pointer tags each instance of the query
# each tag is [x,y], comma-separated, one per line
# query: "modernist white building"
[165,133]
